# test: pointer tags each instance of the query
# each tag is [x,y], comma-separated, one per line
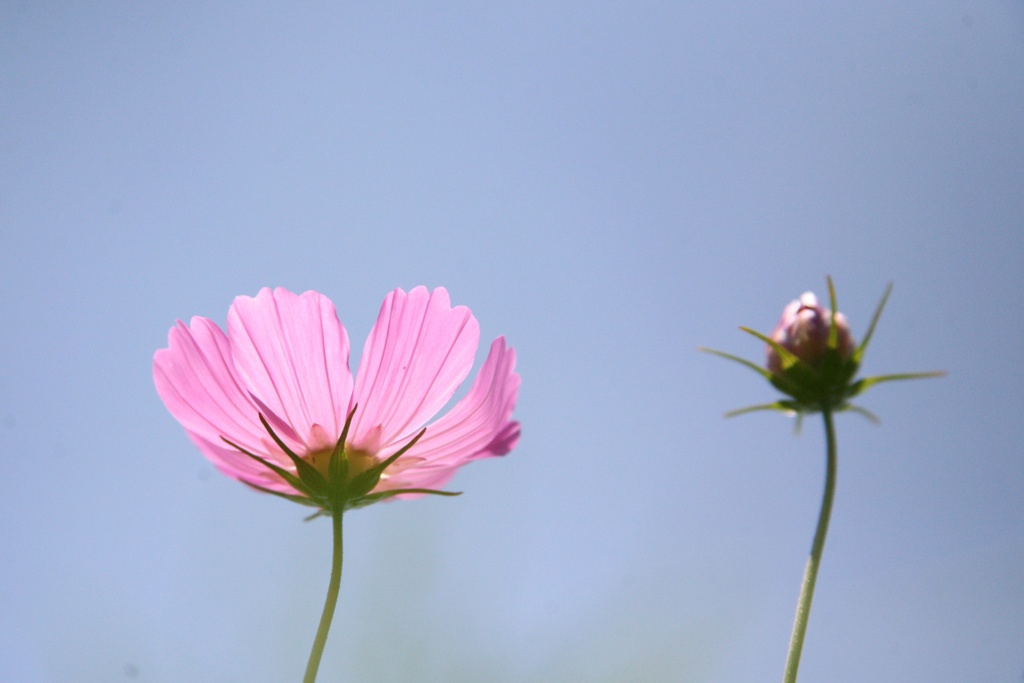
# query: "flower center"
[358,461]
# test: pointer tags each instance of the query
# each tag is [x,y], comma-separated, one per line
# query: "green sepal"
[372,498]
[337,474]
[348,423]
[338,467]
[742,361]
[821,386]
[292,480]
[858,353]
[833,331]
[309,475]
[787,357]
[779,406]
[301,500]
[863,412]
[365,482]
[862,385]
[798,424]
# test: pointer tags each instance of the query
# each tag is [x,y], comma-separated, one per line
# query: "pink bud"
[803,330]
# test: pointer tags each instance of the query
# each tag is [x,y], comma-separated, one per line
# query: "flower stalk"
[313,665]
[803,604]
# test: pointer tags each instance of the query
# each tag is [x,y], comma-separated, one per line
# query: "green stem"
[332,599]
[803,604]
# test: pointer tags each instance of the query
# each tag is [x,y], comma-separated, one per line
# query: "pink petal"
[417,354]
[291,352]
[479,425]
[197,382]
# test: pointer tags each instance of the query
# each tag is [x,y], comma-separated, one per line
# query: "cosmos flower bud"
[813,360]
[803,330]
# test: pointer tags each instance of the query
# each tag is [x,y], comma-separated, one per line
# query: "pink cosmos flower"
[278,385]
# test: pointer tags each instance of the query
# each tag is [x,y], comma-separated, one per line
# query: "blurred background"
[610,185]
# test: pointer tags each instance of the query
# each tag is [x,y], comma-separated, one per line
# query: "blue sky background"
[610,186]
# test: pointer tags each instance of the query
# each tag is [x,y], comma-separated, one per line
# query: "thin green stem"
[332,599]
[803,604]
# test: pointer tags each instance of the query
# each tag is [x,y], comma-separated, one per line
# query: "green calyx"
[343,484]
[829,383]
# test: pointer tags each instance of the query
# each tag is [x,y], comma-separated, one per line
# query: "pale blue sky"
[610,186]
